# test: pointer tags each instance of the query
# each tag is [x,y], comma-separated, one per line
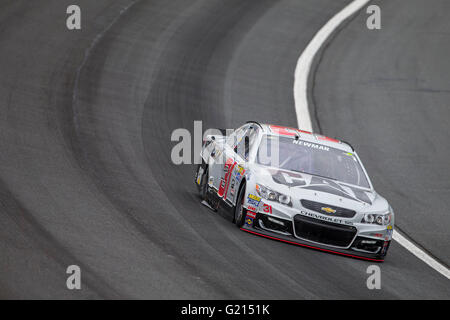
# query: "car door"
[240,165]
[229,162]
[218,151]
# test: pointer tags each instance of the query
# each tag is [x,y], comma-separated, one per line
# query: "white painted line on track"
[422,255]
[302,71]
[306,59]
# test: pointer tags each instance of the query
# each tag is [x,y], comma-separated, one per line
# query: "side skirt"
[216,203]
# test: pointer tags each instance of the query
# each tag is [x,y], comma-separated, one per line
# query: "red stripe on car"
[307,246]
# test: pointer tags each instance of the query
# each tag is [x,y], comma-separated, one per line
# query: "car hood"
[315,188]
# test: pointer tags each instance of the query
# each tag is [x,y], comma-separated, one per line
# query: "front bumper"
[352,245]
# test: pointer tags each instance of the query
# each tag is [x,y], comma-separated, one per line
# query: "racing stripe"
[230,171]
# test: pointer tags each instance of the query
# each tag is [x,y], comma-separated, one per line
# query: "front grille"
[323,232]
[318,207]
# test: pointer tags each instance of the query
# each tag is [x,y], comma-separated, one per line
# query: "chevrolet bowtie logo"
[328,210]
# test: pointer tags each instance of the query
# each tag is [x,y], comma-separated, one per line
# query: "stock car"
[295,186]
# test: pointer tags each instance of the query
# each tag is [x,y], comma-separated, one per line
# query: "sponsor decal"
[311,145]
[328,210]
[332,187]
[239,172]
[199,175]
[253,200]
[325,218]
[288,178]
[233,182]
[252,208]
[385,245]
[252,196]
[267,208]
[251,214]
[225,183]
[249,221]
[351,155]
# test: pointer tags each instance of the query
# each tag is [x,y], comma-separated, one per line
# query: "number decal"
[225,182]
[267,208]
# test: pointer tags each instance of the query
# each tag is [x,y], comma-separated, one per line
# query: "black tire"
[196,175]
[202,188]
[239,210]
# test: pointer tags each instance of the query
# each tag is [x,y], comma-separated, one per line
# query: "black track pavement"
[388,91]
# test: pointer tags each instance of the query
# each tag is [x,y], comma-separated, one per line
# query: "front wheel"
[239,210]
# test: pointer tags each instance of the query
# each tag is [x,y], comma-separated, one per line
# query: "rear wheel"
[239,210]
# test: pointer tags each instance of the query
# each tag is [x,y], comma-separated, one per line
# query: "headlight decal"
[379,219]
[272,195]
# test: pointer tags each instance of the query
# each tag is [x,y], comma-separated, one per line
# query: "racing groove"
[85,171]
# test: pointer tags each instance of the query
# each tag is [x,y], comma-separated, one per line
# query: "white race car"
[298,187]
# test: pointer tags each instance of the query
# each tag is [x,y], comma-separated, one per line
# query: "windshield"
[311,158]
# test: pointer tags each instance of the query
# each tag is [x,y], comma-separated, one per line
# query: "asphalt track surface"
[396,98]
[86,176]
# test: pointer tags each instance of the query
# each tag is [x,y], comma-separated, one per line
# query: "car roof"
[305,135]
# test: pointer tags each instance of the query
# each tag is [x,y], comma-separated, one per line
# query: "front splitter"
[298,242]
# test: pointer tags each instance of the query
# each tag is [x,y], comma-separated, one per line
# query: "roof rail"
[256,122]
[353,149]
